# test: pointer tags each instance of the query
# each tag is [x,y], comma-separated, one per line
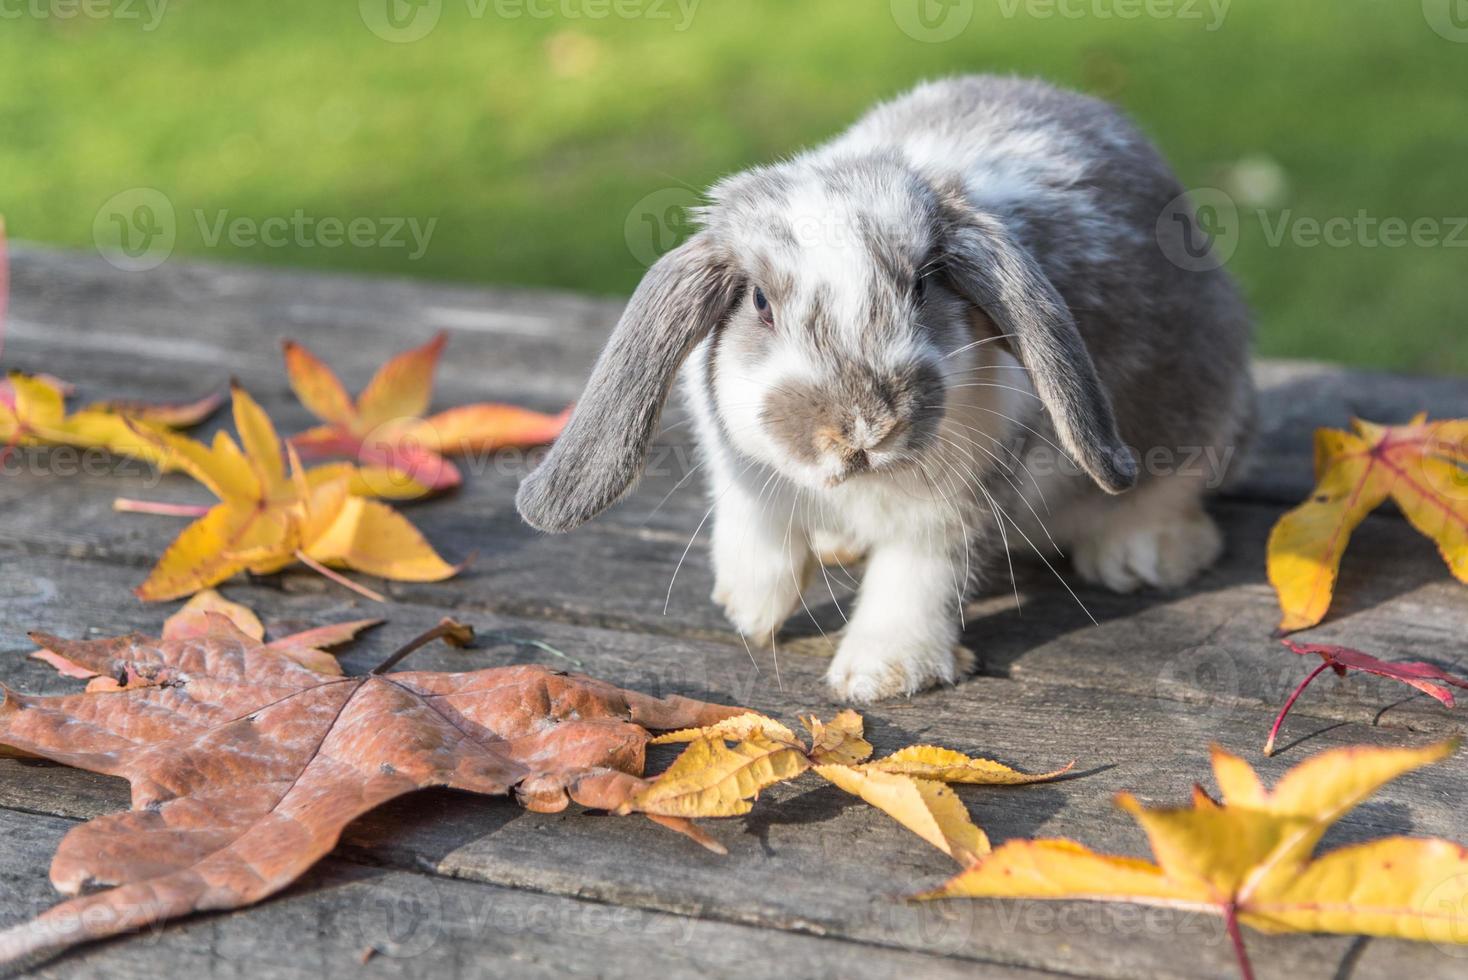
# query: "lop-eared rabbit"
[953,331]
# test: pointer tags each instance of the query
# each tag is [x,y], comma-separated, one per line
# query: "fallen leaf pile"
[1427,678]
[727,765]
[248,758]
[1250,859]
[268,518]
[1420,466]
[384,426]
[246,764]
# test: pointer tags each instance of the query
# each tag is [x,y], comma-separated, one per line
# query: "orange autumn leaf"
[1251,858]
[1422,466]
[192,621]
[269,518]
[384,426]
[246,766]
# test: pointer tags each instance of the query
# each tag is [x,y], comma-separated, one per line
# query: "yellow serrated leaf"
[735,729]
[712,779]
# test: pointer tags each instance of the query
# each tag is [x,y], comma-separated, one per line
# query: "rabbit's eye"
[763,308]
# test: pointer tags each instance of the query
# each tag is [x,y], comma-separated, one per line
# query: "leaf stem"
[337,577]
[1231,923]
[1269,745]
[126,505]
[451,631]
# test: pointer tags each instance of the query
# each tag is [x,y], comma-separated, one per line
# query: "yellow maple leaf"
[268,518]
[1423,466]
[1249,858]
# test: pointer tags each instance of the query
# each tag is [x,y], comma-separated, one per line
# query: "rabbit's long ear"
[603,448]
[998,275]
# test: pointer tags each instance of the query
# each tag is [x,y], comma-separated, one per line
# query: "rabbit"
[955,331]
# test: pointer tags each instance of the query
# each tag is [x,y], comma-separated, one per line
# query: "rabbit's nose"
[860,435]
[868,433]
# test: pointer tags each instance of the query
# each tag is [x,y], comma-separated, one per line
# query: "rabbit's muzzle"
[861,422]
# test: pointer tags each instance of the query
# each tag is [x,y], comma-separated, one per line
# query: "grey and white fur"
[883,338]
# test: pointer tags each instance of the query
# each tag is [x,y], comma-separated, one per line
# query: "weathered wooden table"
[448,884]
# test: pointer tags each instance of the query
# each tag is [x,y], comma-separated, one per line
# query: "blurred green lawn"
[534,141]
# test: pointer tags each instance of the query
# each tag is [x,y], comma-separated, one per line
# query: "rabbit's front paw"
[758,597]
[874,666]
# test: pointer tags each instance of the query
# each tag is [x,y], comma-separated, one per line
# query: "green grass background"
[532,140]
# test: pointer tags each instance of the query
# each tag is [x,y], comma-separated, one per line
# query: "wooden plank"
[1141,692]
[811,860]
[426,925]
[1209,644]
[193,324]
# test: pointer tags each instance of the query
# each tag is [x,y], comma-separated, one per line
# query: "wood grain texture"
[814,880]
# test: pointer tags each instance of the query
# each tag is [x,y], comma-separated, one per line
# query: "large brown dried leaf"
[245,765]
